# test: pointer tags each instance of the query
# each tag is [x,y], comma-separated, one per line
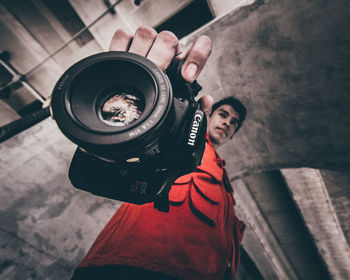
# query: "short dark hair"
[236,105]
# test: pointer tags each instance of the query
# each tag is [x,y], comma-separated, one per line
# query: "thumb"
[206,103]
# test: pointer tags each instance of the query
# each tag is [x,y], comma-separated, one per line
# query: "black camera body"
[137,129]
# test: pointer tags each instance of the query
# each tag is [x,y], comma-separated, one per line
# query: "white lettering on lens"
[134,132]
[147,125]
[194,129]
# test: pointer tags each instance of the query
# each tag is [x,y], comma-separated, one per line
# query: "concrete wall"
[127,16]
[288,61]
[46,224]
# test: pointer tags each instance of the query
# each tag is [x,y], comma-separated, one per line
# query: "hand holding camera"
[137,131]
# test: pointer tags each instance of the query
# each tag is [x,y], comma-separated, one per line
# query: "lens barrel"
[114,104]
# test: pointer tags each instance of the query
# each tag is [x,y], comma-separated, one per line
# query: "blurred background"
[289,63]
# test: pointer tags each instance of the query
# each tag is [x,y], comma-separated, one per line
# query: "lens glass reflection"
[122,109]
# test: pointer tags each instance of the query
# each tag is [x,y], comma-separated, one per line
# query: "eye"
[234,122]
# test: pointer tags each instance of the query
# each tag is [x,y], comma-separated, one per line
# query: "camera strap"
[161,201]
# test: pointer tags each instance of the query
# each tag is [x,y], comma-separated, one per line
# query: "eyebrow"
[227,114]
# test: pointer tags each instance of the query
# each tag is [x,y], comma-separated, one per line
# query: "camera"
[137,128]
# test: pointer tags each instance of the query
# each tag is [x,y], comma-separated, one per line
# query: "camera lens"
[122,108]
[114,104]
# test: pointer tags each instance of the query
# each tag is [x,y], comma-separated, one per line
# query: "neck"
[214,143]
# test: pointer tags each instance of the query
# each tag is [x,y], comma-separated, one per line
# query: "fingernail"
[191,71]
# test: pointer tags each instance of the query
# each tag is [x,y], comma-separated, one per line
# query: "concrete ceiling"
[289,62]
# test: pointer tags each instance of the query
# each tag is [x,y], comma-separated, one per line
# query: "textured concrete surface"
[46,224]
[338,188]
[309,192]
[272,216]
[288,61]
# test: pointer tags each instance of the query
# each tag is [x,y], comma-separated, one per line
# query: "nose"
[226,123]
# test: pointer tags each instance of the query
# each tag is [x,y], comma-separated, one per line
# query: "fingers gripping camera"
[137,129]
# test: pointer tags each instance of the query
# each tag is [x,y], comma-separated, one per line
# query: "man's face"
[222,124]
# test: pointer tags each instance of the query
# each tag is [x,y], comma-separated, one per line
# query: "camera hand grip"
[178,83]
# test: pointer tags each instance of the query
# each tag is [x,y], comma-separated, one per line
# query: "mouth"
[223,131]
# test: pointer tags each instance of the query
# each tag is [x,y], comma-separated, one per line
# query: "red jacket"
[196,239]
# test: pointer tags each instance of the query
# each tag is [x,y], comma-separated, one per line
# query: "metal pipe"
[73,38]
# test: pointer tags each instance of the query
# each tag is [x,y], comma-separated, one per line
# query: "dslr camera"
[137,128]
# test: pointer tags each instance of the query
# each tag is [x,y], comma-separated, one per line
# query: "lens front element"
[122,109]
